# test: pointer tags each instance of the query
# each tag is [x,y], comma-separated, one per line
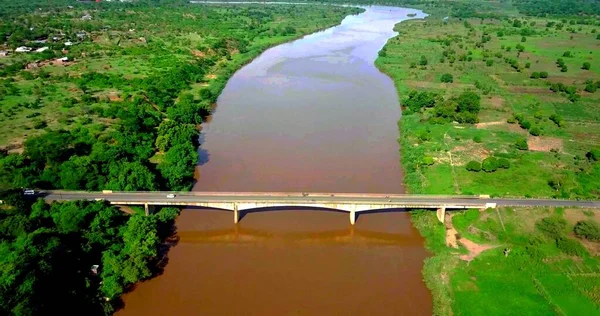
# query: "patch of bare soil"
[211,76]
[198,53]
[482,125]
[473,248]
[451,233]
[542,143]
[496,102]
[575,215]
[15,147]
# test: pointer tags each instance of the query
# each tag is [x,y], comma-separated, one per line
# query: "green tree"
[447,78]
[521,144]
[130,176]
[586,66]
[587,229]
[489,164]
[473,166]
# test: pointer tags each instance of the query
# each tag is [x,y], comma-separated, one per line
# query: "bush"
[474,166]
[535,75]
[527,65]
[591,88]
[552,226]
[427,161]
[535,131]
[477,139]
[593,155]
[557,120]
[543,74]
[587,229]
[521,144]
[570,247]
[489,62]
[423,61]
[586,66]
[525,124]
[503,163]
[448,78]
[567,54]
[489,164]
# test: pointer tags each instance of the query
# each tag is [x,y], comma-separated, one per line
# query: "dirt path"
[453,240]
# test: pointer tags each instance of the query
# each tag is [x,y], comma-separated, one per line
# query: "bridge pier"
[352,217]
[146,209]
[441,214]
[236,214]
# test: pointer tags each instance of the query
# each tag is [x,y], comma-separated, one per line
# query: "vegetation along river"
[313,115]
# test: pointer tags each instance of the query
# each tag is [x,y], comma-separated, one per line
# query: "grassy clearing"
[535,278]
[555,164]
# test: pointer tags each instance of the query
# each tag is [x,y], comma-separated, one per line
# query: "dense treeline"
[48,254]
[179,57]
[558,7]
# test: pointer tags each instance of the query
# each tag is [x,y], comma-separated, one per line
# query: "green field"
[479,118]
[562,154]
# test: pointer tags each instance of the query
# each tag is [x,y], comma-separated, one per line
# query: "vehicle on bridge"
[170,196]
[28,192]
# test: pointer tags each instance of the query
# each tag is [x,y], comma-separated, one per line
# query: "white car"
[170,196]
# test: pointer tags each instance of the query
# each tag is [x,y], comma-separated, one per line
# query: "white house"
[69,43]
[39,50]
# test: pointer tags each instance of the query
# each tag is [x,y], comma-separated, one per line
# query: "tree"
[447,78]
[567,54]
[535,131]
[593,155]
[586,66]
[178,165]
[469,101]
[130,176]
[523,39]
[423,61]
[78,173]
[543,74]
[591,88]
[587,229]
[503,163]
[474,166]
[489,164]
[489,62]
[553,226]
[427,161]
[535,75]
[521,144]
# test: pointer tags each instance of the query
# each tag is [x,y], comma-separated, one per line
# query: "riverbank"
[546,149]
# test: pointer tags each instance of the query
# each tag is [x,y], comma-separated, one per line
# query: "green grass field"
[538,277]
[558,152]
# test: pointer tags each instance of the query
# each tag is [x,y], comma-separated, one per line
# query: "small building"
[4,53]
[23,49]
[94,269]
[62,59]
[68,43]
[81,35]
[41,41]
[42,49]
[86,17]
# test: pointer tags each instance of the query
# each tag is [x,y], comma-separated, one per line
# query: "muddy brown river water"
[313,115]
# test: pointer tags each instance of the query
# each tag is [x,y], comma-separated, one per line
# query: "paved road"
[181,198]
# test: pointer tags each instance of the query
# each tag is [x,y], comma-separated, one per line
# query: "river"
[313,115]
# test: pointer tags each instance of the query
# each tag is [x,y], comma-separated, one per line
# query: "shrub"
[535,75]
[570,247]
[427,161]
[586,66]
[593,155]
[567,54]
[525,124]
[489,164]
[535,131]
[552,226]
[489,62]
[591,88]
[474,166]
[503,163]
[543,74]
[523,39]
[477,139]
[564,68]
[413,65]
[448,78]
[39,124]
[521,144]
[423,61]
[527,65]
[587,229]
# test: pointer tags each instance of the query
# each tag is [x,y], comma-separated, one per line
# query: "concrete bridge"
[240,203]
